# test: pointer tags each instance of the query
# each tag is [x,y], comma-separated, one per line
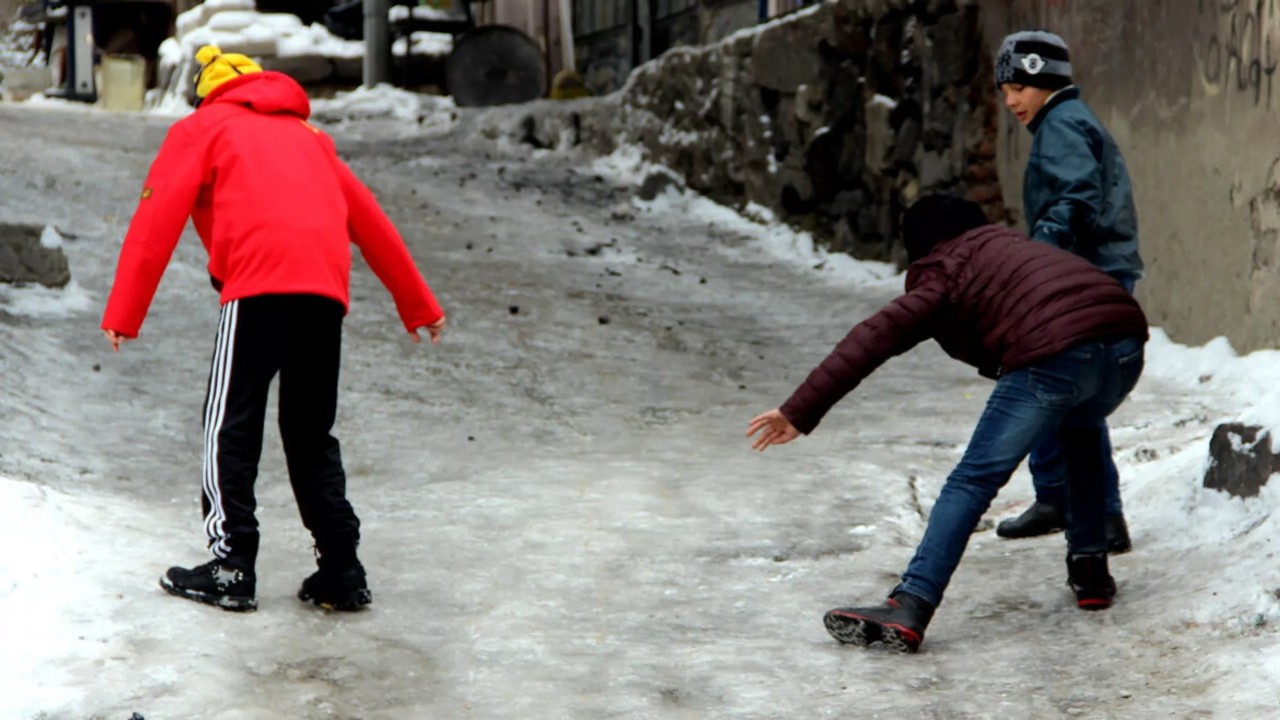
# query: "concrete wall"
[722,19]
[605,59]
[540,20]
[8,9]
[1189,90]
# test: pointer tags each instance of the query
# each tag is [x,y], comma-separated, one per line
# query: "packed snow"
[562,515]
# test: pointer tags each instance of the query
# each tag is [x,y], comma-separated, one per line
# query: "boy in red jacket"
[276,209]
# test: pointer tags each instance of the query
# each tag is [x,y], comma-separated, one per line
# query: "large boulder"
[1241,459]
[32,254]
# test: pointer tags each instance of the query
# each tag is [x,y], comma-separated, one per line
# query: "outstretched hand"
[115,339]
[435,330]
[774,429]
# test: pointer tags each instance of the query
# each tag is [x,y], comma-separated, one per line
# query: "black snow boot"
[339,584]
[899,623]
[1118,542]
[1039,519]
[219,582]
[1091,581]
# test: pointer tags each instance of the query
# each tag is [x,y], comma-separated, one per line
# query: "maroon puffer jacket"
[991,298]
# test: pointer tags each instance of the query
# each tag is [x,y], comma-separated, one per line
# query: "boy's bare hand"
[777,430]
[115,339]
[435,330]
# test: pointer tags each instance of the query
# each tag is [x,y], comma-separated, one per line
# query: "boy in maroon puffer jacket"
[1065,344]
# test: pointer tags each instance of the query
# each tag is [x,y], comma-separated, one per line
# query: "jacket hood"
[943,249]
[265,92]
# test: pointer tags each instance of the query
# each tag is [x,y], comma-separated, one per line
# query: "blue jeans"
[1049,469]
[1067,396]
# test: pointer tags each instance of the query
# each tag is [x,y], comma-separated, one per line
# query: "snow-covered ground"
[562,517]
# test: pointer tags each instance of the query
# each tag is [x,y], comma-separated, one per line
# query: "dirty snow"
[562,516]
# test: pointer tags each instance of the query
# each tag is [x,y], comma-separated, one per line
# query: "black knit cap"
[1036,58]
[937,218]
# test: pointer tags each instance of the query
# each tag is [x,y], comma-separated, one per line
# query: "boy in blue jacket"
[1076,194]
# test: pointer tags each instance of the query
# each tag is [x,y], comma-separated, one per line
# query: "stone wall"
[834,118]
[9,9]
[719,20]
[605,60]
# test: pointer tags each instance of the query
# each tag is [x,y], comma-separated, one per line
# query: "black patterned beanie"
[1037,58]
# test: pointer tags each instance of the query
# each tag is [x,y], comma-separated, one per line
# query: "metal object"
[489,64]
[377,45]
[567,60]
[80,84]
[495,65]
[78,79]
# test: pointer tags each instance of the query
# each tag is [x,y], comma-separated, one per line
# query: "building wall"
[724,18]
[607,58]
[540,20]
[1189,90]
[8,8]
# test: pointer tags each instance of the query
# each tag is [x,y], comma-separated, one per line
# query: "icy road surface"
[562,518]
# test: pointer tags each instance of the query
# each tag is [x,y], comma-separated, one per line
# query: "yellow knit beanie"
[217,68]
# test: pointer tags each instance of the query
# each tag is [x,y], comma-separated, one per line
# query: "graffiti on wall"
[1237,48]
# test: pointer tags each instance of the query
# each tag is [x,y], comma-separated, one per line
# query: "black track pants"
[299,337]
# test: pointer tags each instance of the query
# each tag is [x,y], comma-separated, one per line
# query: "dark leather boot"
[338,584]
[1091,581]
[899,623]
[1039,519]
[1118,542]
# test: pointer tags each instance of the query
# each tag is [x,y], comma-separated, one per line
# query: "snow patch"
[1215,366]
[425,43]
[628,165]
[421,12]
[50,238]
[883,101]
[40,100]
[432,113]
[36,301]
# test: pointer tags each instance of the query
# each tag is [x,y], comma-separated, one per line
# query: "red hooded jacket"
[274,206]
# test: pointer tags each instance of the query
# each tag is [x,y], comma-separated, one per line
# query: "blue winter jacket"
[1076,192]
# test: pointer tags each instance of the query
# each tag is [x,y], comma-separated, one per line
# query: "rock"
[1241,459]
[935,170]
[21,83]
[953,48]
[25,259]
[793,58]
[657,183]
[879,135]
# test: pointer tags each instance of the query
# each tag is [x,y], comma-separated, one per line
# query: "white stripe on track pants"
[300,338]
